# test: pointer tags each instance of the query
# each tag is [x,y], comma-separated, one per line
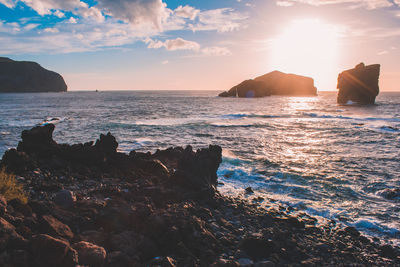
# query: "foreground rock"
[25,76]
[273,83]
[359,85]
[92,206]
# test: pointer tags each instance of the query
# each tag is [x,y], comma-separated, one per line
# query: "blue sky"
[204,44]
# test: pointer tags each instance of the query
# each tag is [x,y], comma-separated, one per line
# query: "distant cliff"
[25,76]
[274,83]
[359,85]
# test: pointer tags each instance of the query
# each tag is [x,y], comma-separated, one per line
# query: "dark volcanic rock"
[359,85]
[248,89]
[90,254]
[65,198]
[159,209]
[49,251]
[274,83]
[24,76]
[198,170]
[54,227]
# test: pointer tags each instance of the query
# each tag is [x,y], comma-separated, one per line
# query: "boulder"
[38,140]
[198,170]
[25,76]
[274,83]
[359,85]
[48,251]
[65,198]
[90,254]
[51,225]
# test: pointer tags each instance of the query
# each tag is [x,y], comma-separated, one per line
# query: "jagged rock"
[198,170]
[54,227]
[16,162]
[64,198]
[25,76]
[48,251]
[359,85]
[274,83]
[3,205]
[256,247]
[107,144]
[90,254]
[38,140]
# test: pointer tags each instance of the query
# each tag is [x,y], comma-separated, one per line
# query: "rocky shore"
[90,205]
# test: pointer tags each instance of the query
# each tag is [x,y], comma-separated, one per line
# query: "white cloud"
[31,26]
[55,7]
[72,20]
[181,44]
[51,30]
[165,62]
[8,3]
[216,51]
[173,44]
[9,28]
[186,12]
[111,23]
[137,12]
[221,20]
[382,53]
[284,3]
[369,4]
[59,14]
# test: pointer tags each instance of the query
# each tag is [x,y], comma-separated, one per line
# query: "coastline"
[106,208]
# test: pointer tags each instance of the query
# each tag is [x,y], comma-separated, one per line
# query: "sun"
[308,47]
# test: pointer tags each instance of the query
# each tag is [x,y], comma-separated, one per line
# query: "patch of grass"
[10,188]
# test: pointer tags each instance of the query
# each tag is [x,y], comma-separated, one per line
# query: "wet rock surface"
[359,85]
[159,209]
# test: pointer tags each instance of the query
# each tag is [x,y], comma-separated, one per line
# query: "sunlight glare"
[308,47]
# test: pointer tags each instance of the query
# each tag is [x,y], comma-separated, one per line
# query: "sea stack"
[25,76]
[359,85]
[274,83]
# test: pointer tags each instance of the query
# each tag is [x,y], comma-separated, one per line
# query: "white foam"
[371,225]
[53,120]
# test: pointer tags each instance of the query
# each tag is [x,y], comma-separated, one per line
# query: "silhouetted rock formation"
[274,83]
[24,76]
[359,85]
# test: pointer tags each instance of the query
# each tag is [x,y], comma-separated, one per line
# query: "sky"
[203,44]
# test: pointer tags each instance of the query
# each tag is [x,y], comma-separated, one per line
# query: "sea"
[301,154]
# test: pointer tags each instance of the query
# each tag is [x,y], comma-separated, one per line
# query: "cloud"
[186,12]
[59,14]
[55,7]
[109,24]
[221,20]
[216,51]
[284,3]
[51,30]
[173,44]
[181,44]
[72,20]
[369,4]
[8,3]
[137,12]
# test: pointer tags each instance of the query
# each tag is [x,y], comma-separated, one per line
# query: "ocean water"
[306,154]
